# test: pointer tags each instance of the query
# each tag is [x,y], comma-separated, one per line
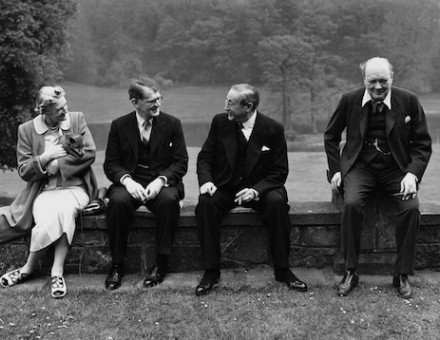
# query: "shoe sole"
[206,292]
[346,293]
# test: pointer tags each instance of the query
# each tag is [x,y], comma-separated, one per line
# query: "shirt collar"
[249,124]
[41,126]
[387,101]
[141,120]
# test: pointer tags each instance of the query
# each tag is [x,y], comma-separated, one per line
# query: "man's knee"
[275,199]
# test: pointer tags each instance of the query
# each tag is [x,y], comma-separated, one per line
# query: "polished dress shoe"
[401,282]
[349,281]
[155,276]
[210,278]
[286,276]
[114,278]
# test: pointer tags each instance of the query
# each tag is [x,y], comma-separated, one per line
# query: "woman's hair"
[47,97]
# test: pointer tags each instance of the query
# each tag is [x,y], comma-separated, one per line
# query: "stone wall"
[315,241]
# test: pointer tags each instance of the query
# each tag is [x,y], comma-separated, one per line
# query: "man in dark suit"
[145,160]
[387,148]
[244,162]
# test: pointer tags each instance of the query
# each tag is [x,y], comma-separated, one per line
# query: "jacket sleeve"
[332,137]
[420,143]
[277,170]
[29,167]
[208,155]
[179,160]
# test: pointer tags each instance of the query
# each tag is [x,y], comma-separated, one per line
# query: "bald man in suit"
[244,162]
[387,149]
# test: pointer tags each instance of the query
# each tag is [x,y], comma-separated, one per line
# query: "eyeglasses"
[153,101]
[229,102]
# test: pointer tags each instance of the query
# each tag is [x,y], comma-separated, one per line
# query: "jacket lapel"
[230,141]
[392,115]
[133,133]
[363,118]
[254,145]
[157,131]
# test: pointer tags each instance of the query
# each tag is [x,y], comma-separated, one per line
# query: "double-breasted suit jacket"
[406,132]
[168,155]
[266,164]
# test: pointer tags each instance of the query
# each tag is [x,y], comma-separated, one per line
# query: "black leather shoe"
[349,281]
[286,276]
[155,276]
[210,278]
[401,282]
[114,278]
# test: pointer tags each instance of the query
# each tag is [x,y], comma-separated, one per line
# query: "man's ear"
[249,106]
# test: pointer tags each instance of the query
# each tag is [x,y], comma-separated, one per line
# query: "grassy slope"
[306,181]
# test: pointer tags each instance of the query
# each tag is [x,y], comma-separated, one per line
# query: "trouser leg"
[119,214]
[166,209]
[358,184]
[209,213]
[274,212]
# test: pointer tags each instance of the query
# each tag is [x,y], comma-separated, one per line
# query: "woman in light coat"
[59,186]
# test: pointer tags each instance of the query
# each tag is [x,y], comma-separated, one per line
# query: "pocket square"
[265,148]
[171,144]
[407,119]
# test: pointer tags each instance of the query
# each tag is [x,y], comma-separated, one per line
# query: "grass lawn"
[306,181]
[269,313]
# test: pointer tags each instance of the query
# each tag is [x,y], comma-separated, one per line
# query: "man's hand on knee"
[408,186]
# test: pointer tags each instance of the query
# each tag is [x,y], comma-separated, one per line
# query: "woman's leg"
[60,253]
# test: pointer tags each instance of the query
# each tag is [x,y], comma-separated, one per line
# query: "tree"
[33,44]
[280,57]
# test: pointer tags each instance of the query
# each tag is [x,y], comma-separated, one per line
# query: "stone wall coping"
[301,214]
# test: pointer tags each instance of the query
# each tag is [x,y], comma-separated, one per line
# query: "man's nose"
[377,85]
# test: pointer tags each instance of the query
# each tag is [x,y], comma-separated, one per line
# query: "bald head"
[378,77]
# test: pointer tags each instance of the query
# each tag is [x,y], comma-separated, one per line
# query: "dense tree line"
[33,36]
[303,50]
[216,41]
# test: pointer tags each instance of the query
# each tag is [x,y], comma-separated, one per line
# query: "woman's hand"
[52,152]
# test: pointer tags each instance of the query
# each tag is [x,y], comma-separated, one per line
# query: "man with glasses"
[145,160]
[387,149]
[243,162]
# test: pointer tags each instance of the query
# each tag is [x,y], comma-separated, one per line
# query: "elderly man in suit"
[145,160]
[387,149]
[244,162]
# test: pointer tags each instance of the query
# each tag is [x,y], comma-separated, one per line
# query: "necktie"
[378,107]
[146,132]
[241,132]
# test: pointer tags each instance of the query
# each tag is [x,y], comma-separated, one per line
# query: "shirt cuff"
[43,171]
[165,180]
[257,198]
[124,177]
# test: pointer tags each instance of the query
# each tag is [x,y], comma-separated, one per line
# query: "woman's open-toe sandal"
[12,278]
[58,287]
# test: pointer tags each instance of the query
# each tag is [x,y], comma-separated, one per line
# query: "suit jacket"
[266,163]
[168,153]
[406,132]
[17,219]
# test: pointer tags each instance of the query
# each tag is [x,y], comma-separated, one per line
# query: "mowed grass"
[188,103]
[307,176]
[270,313]
[306,181]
